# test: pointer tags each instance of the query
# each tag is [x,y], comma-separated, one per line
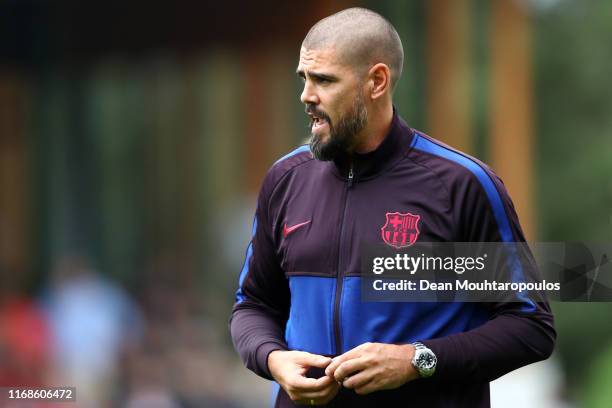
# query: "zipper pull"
[350,176]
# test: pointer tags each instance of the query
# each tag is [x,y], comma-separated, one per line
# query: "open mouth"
[317,122]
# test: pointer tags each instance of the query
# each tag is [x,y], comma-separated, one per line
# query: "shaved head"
[361,38]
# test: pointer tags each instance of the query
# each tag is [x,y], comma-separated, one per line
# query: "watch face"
[426,360]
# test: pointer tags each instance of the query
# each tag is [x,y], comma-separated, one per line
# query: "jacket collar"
[368,165]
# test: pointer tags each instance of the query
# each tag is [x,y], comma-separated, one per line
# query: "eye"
[322,81]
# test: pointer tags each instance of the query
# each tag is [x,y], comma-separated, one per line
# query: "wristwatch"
[424,360]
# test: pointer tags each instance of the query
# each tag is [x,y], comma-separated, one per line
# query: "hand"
[374,366]
[289,368]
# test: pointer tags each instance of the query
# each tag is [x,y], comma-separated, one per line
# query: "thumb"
[314,360]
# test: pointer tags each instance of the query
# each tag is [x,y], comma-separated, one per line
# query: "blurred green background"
[133,139]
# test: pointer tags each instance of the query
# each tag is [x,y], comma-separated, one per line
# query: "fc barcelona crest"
[401,230]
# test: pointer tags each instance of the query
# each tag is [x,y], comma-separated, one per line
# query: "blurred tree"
[574,111]
[574,164]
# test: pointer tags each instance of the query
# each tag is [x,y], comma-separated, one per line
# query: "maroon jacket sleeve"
[516,334]
[258,318]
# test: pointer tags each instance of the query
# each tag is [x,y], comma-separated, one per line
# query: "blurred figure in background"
[24,336]
[92,320]
[181,360]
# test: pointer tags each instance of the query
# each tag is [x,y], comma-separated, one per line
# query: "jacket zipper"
[340,273]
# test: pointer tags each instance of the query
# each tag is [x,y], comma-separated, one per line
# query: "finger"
[358,380]
[331,393]
[313,360]
[331,368]
[324,394]
[321,393]
[367,388]
[338,360]
[349,355]
[304,384]
[349,368]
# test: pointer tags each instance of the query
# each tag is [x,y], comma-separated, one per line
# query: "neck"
[379,123]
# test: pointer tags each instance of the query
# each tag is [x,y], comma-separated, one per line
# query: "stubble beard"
[342,136]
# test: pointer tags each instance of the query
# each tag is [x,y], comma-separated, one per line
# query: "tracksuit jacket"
[299,288]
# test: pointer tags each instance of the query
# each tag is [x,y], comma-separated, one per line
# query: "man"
[299,318]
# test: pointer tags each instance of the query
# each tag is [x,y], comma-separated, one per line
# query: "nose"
[309,95]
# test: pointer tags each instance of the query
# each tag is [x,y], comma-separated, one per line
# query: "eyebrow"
[316,75]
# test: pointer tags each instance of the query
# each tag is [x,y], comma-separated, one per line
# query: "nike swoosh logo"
[289,230]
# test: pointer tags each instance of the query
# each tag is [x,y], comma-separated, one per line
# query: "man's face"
[333,96]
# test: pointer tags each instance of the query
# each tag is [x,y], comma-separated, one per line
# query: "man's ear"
[379,80]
